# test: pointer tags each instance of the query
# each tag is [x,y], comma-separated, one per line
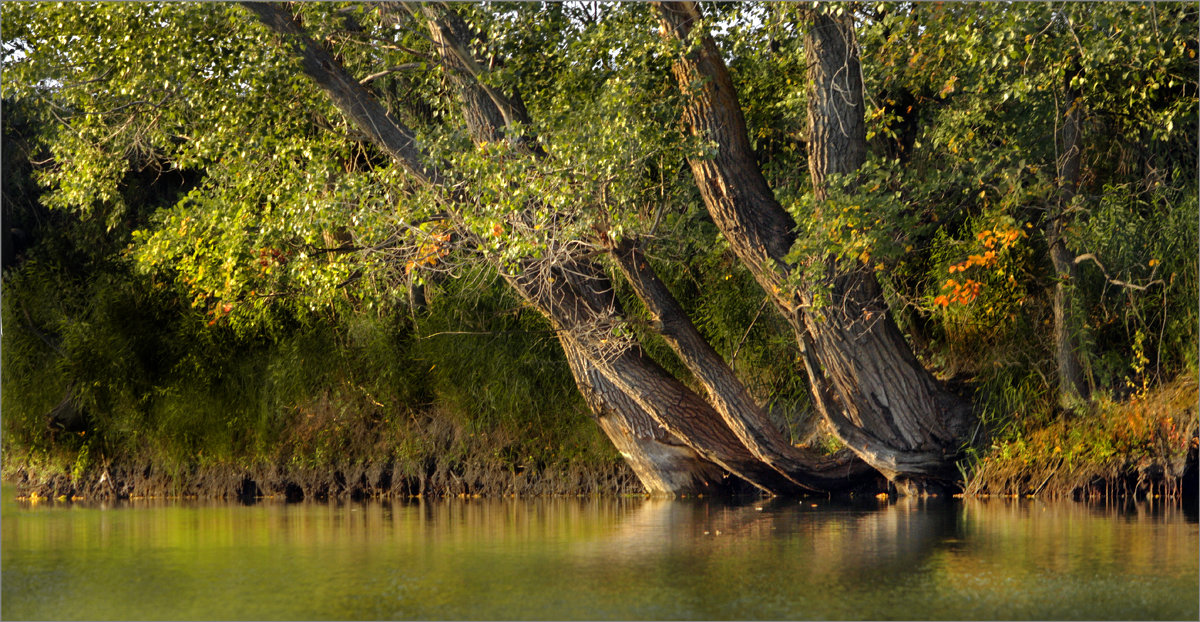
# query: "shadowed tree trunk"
[1072,387]
[865,380]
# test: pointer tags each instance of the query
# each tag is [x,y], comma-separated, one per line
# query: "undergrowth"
[1132,445]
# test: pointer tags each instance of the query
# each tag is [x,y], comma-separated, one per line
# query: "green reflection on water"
[597,559]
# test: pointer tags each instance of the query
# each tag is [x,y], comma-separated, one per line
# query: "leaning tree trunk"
[578,301]
[663,463]
[727,394]
[730,429]
[864,377]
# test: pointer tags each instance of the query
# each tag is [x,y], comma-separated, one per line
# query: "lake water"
[626,558]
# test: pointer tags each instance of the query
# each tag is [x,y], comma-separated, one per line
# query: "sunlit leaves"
[296,208]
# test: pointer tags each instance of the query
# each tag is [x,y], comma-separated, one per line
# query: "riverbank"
[354,481]
[1130,480]
[1145,445]
[1068,459]
[335,449]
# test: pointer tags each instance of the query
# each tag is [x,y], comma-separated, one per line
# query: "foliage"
[1152,433]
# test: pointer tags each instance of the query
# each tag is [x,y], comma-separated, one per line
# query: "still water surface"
[598,559]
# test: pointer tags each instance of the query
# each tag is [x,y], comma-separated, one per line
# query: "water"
[598,559]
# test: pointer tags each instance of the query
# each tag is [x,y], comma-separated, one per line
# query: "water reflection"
[625,558]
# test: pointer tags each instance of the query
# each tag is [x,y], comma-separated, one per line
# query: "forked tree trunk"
[865,380]
[727,394]
[578,299]
[729,429]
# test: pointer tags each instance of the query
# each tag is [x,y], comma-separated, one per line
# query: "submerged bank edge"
[389,480]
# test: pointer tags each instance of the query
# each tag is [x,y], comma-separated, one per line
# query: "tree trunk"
[726,393]
[865,380]
[663,463]
[579,301]
[1072,387]
[614,373]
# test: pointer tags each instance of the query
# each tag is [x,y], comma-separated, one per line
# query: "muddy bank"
[354,481]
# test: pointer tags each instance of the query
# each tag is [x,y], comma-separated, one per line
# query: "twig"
[397,68]
[1118,282]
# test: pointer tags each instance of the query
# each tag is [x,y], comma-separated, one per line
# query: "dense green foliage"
[222,268]
[160,382]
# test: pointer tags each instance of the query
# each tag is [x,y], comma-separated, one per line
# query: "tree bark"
[579,301]
[865,380]
[353,99]
[1072,386]
[615,375]
[728,396]
[662,462]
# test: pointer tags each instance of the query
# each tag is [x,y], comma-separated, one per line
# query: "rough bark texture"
[663,463]
[728,396]
[363,110]
[1072,387]
[579,301]
[865,379]
[487,111]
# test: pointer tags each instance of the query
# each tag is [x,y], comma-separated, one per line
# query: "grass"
[1137,445]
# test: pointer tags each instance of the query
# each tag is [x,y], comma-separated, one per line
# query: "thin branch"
[1118,282]
[733,357]
[390,70]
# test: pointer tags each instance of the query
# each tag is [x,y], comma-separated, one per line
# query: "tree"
[359,155]
[570,292]
[1046,115]
[880,401]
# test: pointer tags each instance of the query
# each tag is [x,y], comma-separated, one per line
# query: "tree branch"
[347,93]
[1141,288]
